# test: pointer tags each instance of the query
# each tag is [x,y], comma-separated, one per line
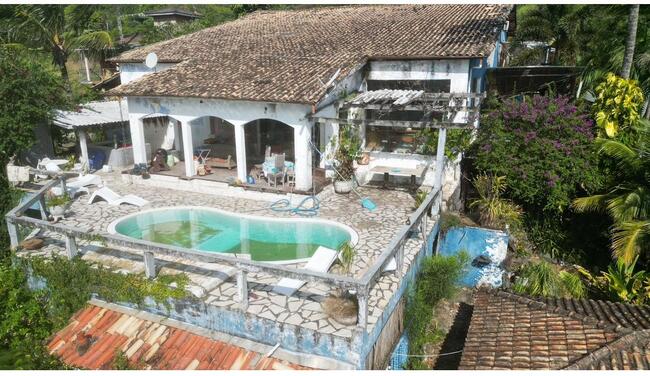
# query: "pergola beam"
[396,123]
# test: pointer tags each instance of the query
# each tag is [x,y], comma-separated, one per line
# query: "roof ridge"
[541,305]
[621,343]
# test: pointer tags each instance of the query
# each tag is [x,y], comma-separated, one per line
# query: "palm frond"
[627,239]
[95,41]
[591,203]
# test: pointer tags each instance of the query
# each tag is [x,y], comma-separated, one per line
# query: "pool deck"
[216,285]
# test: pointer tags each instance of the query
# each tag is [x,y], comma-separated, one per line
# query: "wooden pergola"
[386,101]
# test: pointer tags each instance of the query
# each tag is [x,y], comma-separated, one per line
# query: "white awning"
[94,114]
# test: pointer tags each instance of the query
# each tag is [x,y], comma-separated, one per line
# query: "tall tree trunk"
[632,21]
[60,58]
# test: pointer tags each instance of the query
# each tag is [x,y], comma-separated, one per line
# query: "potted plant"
[347,151]
[57,205]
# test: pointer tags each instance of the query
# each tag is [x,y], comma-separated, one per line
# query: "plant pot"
[343,186]
[58,211]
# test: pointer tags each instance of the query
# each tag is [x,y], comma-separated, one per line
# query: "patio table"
[398,171]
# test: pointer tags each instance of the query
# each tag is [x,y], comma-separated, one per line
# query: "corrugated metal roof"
[387,97]
[93,114]
[95,335]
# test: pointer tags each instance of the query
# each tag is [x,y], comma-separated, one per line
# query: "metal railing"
[416,223]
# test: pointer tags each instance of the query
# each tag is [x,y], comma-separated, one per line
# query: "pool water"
[264,239]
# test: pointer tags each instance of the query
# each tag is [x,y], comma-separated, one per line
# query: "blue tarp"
[477,241]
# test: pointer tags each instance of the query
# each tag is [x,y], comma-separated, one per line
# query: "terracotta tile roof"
[95,335]
[287,56]
[510,331]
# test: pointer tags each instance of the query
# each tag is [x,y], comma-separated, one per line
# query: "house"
[171,16]
[285,80]
[512,331]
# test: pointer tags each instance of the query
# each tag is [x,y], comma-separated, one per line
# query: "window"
[391,139]
[430,86]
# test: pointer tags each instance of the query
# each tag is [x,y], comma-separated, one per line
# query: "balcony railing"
[417,223]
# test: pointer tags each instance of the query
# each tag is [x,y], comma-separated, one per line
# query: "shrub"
[543,146]
[438,279]
[545,279]
[348,146]
[495,211]
[621,283]
[617,106]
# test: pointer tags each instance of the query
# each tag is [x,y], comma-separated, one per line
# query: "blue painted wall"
[476,241]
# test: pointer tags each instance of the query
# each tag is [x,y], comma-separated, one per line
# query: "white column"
[240,151]
[177,135]
[83,144]
[137,139]
[302,151]
[188,148]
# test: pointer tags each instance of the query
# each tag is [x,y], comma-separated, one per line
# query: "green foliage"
[60,200]
[438,279]
[420,196]
[28,317]
[627,200]
[545,279]
[621,283]
[348,147]
[448,220]
[31,91]
[617,106]
[555,24]
[24,323]
[494,211]
[347,255]
[457,141]
[543,146]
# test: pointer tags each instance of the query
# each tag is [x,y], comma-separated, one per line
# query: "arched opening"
[270,153]
[212,147]
[268,133]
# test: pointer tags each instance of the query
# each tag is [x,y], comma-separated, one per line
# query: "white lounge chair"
[85,181]
[321,261]
[80,185]
[115,199]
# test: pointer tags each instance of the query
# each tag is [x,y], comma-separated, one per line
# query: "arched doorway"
[210,142]
[266,138]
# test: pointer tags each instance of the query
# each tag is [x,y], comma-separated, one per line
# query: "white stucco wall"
[456,70]
[133,71]
[238,113]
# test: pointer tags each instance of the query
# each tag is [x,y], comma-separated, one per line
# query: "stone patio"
[216,284]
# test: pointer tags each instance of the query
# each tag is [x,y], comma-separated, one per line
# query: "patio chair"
[79,186]
[115,199]
[321,261]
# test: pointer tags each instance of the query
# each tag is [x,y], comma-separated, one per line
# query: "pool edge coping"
[354,236]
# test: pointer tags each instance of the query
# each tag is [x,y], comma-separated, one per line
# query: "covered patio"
[254,144]
[108,122]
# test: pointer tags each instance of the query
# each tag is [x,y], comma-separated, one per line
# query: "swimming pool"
[281,240]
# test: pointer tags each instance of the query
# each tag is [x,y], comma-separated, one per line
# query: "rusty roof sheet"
[95,335]
[289,56]
[511,331]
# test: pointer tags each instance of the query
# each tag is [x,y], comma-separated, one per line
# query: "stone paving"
[216,283]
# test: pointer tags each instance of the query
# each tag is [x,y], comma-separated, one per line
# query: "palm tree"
[556,24]
[632,21]
[48,27]
[628,202]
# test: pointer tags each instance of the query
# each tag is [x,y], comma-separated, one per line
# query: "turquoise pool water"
[264,239]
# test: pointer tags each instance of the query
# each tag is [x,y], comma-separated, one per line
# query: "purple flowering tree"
[543,146]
